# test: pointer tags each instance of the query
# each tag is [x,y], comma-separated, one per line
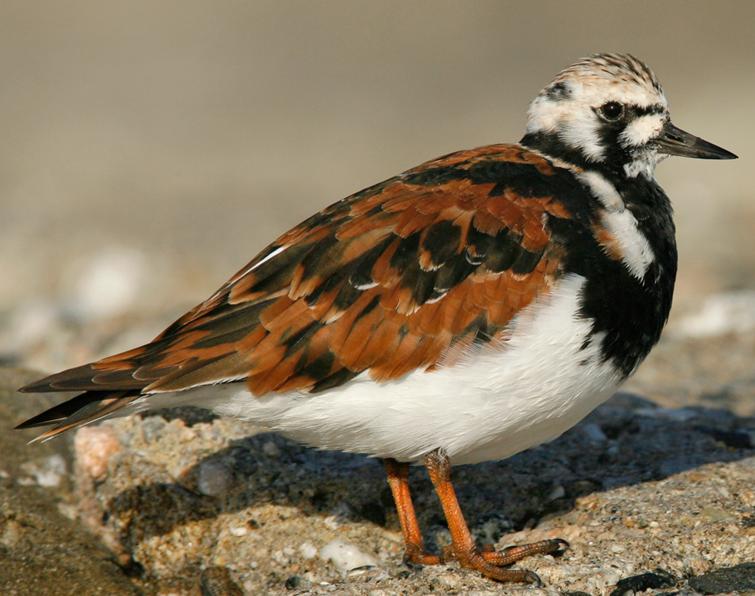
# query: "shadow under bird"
[465,310]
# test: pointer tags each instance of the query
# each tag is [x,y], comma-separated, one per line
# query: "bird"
[465,310]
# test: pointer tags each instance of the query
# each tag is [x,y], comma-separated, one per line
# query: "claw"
[563,546]
[483,559]
[533,579]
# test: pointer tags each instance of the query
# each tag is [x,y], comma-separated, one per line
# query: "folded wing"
[405,275]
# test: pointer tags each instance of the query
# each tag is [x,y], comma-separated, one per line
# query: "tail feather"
[86,378]
[79,411]
[63,410]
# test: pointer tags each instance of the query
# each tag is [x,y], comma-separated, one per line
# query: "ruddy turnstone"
[470,308]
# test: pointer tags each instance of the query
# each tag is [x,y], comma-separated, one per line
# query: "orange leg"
[398,480]
[463,548]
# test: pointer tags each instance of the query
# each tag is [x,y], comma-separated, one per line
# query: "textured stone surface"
[42,550]
[649,494]
[689,522]
[740,578]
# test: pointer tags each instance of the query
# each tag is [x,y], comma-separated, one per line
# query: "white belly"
[494,404]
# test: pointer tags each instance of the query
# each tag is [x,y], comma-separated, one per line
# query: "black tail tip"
[35,422]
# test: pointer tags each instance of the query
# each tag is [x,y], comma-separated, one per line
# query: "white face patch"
[567,107]
[642,129]
[576,125]
[581,132]
[636,253]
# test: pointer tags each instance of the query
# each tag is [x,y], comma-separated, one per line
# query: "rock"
[346,556]
[94,446]
[594,433]
[271,449]
[307,550]
[47,471]
[740,439]
[644,581]
[296,582]
[105,284]
[727,312]
[217,581]
[41,550]
[214,478]
[27,326]
[739,578]
[557,492]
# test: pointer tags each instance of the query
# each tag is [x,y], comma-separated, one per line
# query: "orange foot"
[486,560]
[490,562]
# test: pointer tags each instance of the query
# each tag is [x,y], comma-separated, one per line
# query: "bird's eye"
[611,111]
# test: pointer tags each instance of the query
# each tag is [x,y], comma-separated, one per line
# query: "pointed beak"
[675,141]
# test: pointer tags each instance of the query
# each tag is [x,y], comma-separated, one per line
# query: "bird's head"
[610,109]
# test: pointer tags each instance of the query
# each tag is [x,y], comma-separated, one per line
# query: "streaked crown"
[608,107]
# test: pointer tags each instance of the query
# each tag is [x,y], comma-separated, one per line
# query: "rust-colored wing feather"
[405,275]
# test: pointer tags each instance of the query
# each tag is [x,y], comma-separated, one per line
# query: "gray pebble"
[214,478]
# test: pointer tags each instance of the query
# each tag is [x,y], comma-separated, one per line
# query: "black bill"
[675,141]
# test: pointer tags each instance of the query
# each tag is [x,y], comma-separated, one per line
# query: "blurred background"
[150,149]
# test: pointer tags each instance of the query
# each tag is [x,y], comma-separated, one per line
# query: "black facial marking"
[645,110]
[615,155]
[552,145]
[558,91]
